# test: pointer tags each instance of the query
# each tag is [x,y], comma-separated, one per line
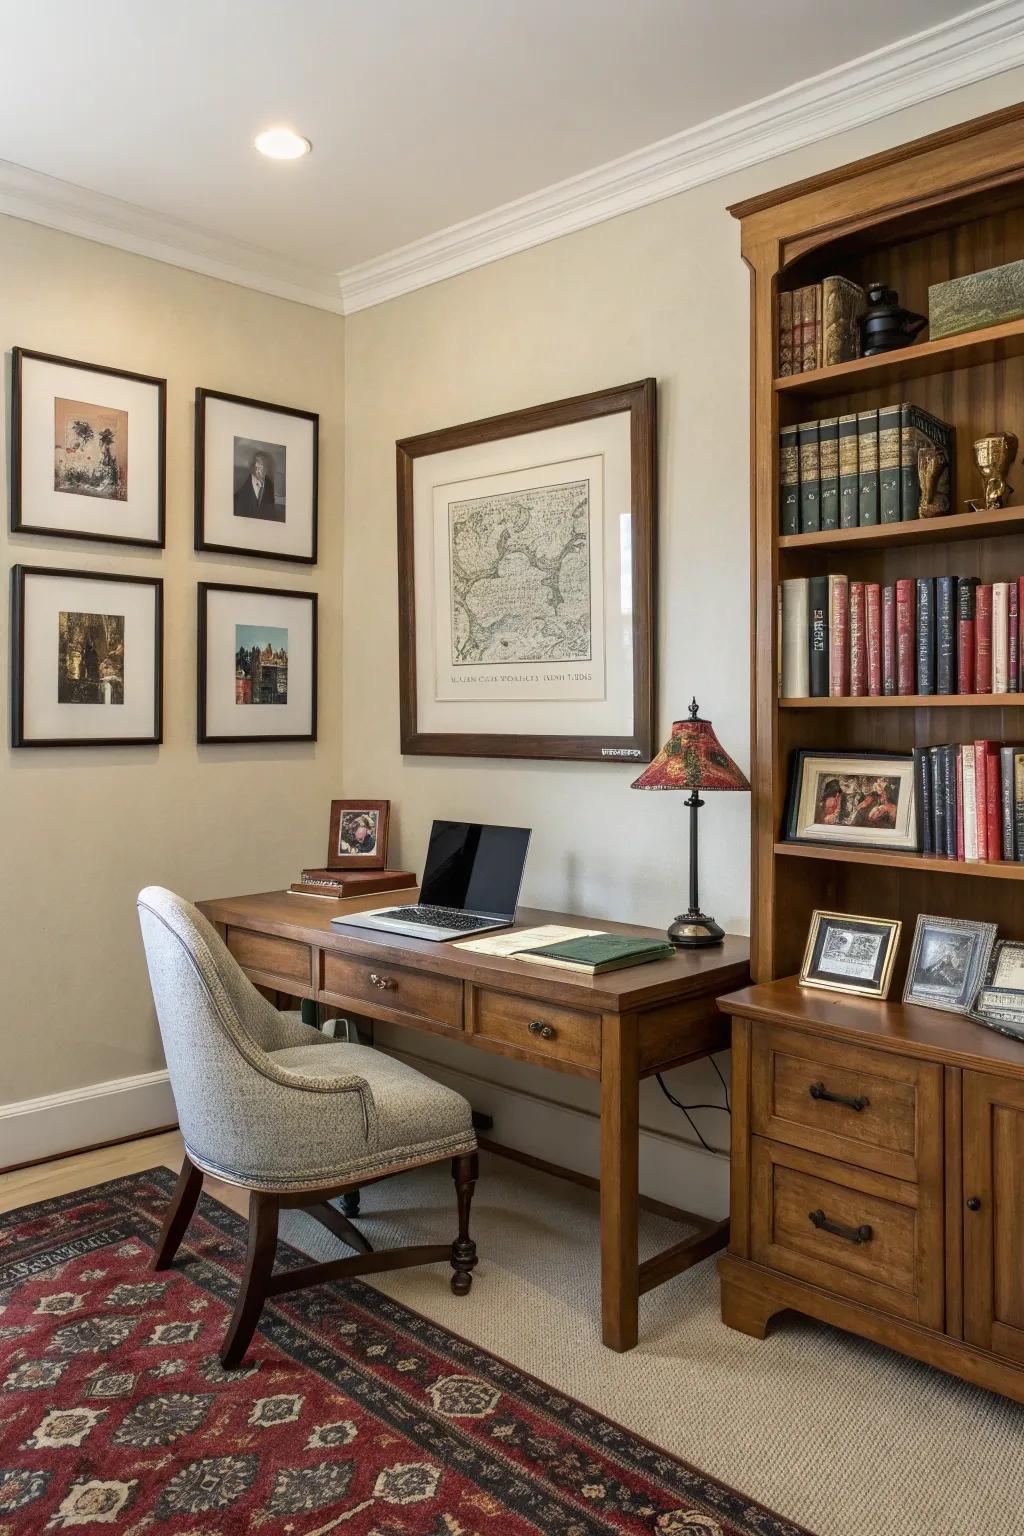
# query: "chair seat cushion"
[417,1119]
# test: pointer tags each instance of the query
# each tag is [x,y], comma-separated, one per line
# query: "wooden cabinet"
[878,1177]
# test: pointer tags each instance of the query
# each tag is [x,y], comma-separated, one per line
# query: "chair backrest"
[213,1022]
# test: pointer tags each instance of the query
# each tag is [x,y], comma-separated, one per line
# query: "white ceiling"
[422,113]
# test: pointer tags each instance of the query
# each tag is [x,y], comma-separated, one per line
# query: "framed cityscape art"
[87,450]
[256,477]
[526,582]
[87,658]
[257,664]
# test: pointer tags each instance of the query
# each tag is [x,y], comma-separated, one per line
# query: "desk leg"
[620,1150]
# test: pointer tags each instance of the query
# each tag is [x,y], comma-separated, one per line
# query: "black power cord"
[725,1108]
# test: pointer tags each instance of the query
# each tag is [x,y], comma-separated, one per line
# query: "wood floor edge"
[94,1146]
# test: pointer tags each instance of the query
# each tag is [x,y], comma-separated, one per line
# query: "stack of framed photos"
[88,462]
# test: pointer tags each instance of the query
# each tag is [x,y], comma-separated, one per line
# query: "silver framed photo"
[850,954]
[948,962]
[1000,1000]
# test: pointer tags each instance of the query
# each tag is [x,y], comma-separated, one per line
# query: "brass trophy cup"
[931,462]
[993,456]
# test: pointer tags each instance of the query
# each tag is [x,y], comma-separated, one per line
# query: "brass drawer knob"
[382,983]
[545,1031]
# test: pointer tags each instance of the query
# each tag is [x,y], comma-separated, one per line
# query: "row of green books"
[855,470]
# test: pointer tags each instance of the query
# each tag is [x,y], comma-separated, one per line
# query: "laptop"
[471,881]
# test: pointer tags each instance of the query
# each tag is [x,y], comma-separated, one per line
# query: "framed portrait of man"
[256,477]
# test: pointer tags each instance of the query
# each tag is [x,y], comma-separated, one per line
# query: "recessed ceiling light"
[282,144]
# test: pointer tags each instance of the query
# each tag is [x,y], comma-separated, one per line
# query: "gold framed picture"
[850,954]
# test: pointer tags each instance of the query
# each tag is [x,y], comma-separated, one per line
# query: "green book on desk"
[602,952]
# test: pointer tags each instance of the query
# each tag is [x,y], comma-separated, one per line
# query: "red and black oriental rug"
[351,1414]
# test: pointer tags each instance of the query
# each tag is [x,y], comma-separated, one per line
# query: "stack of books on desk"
[336,883]
[599,953]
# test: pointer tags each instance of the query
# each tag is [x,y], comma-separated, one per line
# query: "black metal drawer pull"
[819,1091]
[852,1234]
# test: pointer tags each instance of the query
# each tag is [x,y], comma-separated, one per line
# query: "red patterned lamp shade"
[692,758]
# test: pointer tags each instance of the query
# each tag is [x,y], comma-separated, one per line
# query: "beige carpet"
[842,1436]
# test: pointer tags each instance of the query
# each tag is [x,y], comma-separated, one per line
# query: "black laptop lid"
[475,868]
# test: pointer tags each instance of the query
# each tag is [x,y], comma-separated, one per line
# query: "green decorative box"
[973,302]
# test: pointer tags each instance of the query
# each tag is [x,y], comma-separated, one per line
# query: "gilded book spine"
[849,477]
[789,481]
[810,476]
[889,463]
[785,334]
[842,304]
[867,466]
[828,498]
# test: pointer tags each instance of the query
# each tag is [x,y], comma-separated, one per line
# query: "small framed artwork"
[87,659]
[257,664]
[948,962]
[526,582]
[88,447]
[256,477]
[1000,1000]
[858,799]
[850,954]
[359,834]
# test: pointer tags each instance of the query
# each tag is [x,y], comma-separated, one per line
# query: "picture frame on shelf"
[850,954]
[1000,999]
[526,582]
[852,800]
[88,450]
[948,961]
[256,478]
[359,834]
[86,658]
[257,664]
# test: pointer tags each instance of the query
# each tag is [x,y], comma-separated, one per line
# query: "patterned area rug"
[351,1413]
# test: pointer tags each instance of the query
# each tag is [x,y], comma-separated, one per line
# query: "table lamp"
[693,759]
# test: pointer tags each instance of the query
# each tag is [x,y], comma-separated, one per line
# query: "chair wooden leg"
[464,1260]
[350,1203]
[259,1263]
[330,1217]
[178,1214]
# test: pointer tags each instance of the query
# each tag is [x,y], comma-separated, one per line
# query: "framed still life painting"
[87,450]
[257,664]
[87,658]
[359,834]
[256,477]
[526,582]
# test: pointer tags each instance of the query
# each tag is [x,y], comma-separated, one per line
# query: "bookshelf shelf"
[925,863]
[929,530]
[994,344]
[912,701]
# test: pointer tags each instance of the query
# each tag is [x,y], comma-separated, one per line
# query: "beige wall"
[81,830]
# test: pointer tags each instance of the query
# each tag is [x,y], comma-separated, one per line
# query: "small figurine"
[932,470]
[993,456]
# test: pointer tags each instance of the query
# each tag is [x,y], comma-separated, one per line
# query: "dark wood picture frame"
[640,400]
[203,589]
[378,859]
[798,761]
[21,355]
[18,686]
[201,541]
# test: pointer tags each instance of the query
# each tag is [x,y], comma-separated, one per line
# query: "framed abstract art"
[526,582]
[256,478]
[87,658]
[88,450]
[257,664]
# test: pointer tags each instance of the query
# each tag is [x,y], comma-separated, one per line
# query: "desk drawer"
[858,1234]
[536,1031]
[867,1107]
[394,988]
[286,960]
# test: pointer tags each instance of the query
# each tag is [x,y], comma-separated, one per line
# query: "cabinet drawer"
[285,960]
[536,1031]
[876,1240]
[862,1106]
[393,989]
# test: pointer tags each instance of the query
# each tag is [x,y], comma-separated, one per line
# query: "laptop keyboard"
[437,917]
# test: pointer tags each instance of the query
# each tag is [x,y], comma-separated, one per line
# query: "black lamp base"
[694,930]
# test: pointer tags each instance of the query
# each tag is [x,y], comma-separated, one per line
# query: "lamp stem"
[695,803]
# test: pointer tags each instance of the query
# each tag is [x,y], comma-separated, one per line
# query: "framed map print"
[256,477]
[257,664]
[87,658]
[87,450]
[526,582]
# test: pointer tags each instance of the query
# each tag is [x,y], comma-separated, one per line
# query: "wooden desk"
[615,1029]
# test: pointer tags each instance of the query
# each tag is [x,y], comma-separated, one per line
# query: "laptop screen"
[475,868]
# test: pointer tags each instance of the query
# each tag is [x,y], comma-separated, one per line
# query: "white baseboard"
[84,1117]
[671,1169]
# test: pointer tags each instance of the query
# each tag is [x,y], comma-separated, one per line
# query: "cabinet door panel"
[994,1214]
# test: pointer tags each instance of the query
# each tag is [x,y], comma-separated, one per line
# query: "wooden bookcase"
[937,208]
[877,1147]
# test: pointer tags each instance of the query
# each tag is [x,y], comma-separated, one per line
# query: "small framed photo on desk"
[850,954]
[359,834]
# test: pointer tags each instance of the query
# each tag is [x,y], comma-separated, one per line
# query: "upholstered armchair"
[266,1102]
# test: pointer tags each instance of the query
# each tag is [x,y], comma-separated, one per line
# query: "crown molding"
[983,42]
[40,199]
